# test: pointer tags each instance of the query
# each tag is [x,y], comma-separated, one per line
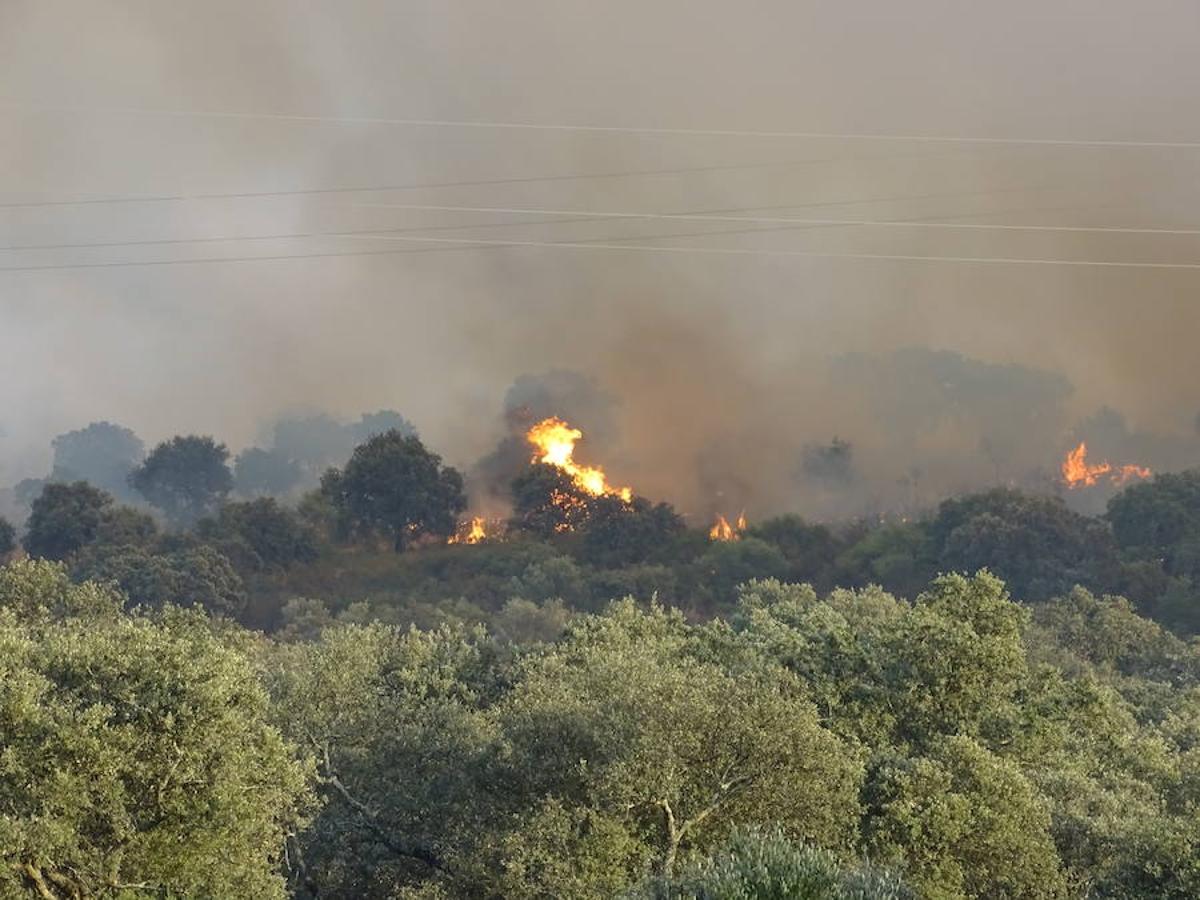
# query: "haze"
[722,366]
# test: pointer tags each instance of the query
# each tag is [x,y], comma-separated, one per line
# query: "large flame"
[1077,472]
[554,442]
[470,532]
[723,531]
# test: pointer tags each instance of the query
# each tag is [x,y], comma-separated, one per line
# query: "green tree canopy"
[275,536]
[185,477]
[136,753]
[619,533]
[194,575]
[962,823]
[1036,544]
[393,486]
[809,549]
[64,518]
[613,751]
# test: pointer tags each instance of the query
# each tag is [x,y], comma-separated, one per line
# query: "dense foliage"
[962,746]
[138,756]
[392,486]
[185,477]
[597,701]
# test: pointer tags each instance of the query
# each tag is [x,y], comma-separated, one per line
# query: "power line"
[487,182]
[794,253]
[602,129]
[778,220]
[468,243]
[582,218]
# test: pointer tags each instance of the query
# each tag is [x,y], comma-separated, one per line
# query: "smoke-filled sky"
[722,365]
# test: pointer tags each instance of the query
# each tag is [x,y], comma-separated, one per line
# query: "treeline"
[737,726]
[368,540]
[842,745]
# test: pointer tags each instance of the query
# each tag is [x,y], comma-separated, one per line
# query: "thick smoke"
[721,368]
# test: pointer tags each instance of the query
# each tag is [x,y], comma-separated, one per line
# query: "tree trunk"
[674,835]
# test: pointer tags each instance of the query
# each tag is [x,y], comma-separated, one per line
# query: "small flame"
[723,531]
[1125,474]
[470,532]
[554,442]
[1077,472]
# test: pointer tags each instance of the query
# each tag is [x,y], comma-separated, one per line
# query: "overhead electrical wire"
[481,243]
[445,244]
[486,182]
[583,217]
[414,122]
[779,220]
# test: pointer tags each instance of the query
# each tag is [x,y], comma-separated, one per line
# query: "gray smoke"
[723,367]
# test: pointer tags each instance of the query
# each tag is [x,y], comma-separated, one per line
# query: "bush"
[766,865]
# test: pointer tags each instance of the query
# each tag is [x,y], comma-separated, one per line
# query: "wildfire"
[723,531]
[1077,472]
[470,532]
[554,443]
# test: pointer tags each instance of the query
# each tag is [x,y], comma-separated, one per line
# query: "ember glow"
[470,532]
[554,444]
[723,531]
[1077,472]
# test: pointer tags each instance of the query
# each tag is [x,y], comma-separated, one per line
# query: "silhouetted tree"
[619,534]
[1161,518]
[185,477]
[810,550]
[726,564]
[1035,543]
[8,538]
[102,454]
[258,472]
[393,486]
[315,442]
[830,464]
[64,518]
[378,422]
[546,501]
[274,534]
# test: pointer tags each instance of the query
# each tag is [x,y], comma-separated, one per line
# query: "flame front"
[1077,472]
[554,444]
[471,533]
[723,531]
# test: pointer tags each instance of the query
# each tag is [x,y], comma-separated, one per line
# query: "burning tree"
[722,531]
[1077,472]
[546,501]
[554,444]
[556,493]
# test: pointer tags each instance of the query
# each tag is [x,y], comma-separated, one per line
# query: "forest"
[320,669]
[683,450]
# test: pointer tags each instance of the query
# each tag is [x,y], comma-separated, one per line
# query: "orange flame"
[723,531]
[554,442]
[1077,472]
[470,533]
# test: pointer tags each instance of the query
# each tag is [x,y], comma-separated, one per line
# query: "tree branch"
[371,819]
[34,874]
